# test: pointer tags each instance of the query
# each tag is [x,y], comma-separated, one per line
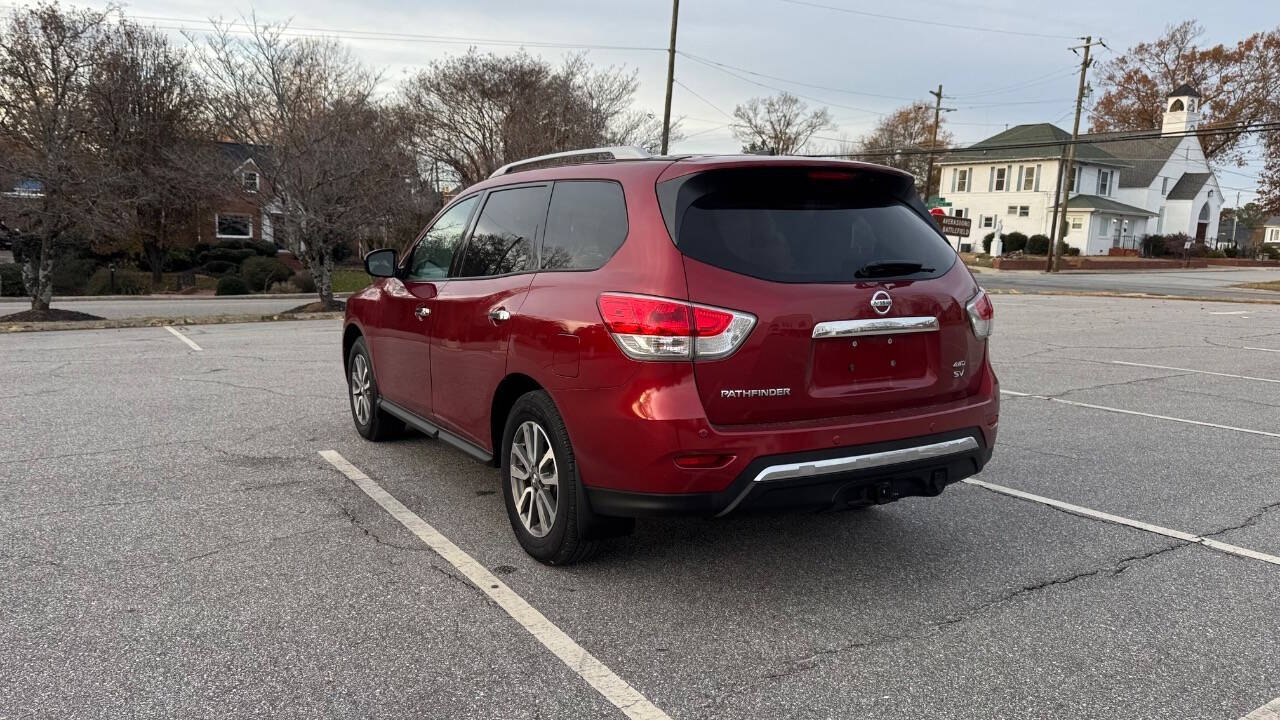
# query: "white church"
[1125,186]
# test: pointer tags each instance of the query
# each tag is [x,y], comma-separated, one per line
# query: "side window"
[504,237]
[585,226]
[432,255]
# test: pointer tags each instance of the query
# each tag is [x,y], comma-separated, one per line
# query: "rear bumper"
[815,480]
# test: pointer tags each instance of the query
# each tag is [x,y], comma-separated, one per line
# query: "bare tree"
[474,113]
[311,103]
[907,128]
[778,125]
[47,60]
[148,108]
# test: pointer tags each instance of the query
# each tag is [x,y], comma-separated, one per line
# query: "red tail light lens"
[638,315]
[703,462]
[981,314]
[655,328]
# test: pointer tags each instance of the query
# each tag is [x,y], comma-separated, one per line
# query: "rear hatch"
[807,249]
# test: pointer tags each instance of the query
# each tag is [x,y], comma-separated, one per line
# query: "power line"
[353,34]
[1267,126]
[782,90]
[723,65]
[918,21]
[710,104]
[1056,74]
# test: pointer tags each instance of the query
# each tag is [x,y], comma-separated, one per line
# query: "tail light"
[981,314]
[654,328]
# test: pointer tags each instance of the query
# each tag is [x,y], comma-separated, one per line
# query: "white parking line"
[613,688]
[1122,411]
[1202,372]
[184,338]
[1137,524]
[1262,349]
[1231,312]
[1270,711]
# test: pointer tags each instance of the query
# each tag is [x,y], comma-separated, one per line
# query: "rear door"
[402,355]
[473,312]
[859,301]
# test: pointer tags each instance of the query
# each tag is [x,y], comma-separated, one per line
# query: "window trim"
[1011,210]
[963,185]
[1024,211]
[626,215]
[1028,176]
[455,266]
[1000,179]
[217,218]
[257,181]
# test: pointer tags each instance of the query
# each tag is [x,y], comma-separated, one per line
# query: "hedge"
[260,272]
[231,285]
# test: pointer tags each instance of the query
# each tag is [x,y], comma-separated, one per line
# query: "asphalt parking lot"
[174,545]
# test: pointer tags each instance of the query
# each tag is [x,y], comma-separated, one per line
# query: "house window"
[1164,186]
[959,212]
[988,221]
[962,180]
[1077,222]
[1029,178]
[1104,182]
[250,182]
[1104,227]
[1002,178]
[1024,211]
[234,226]
[1012,210]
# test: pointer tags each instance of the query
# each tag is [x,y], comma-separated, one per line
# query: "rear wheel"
[371,422]
[540,483]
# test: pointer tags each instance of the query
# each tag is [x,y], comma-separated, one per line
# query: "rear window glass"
[503,239]
[804,225]
[585,226]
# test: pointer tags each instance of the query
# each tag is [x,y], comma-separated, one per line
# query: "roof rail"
[622,152]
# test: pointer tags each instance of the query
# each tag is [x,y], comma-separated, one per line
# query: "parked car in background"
[626,335]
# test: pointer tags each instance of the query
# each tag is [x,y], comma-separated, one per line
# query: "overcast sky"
[864,65]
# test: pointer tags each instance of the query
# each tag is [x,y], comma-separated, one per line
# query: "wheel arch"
[349,336]
[509,389]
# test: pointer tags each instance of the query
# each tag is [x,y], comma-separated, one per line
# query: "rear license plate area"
[840,362]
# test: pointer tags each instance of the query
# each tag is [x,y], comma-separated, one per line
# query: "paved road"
[175,306]
[1195,283]
[172,544]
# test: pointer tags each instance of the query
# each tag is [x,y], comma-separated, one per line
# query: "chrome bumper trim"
[831,466]
[874,326]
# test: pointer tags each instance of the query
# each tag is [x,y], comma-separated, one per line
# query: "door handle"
[500,315]
[422,312]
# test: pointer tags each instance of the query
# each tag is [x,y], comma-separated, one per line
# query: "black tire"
[378,425]
[569,538]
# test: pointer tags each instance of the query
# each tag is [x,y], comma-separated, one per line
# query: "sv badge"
[957,369]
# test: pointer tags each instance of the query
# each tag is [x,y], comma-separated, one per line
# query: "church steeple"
[1181,111]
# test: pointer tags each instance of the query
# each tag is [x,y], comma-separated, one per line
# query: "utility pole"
[937,118]
[1058,234]
[1054,224]
[671,76]
[1235,223]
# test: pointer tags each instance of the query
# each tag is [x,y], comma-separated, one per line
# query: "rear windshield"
[804,225]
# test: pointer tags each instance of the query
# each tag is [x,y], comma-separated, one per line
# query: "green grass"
[1272,285]
[348,279]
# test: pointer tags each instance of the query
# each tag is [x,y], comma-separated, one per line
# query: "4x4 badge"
[881,302]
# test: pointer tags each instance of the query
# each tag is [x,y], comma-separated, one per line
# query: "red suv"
[627,335]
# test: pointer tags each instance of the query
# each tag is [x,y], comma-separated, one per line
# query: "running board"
[432,431]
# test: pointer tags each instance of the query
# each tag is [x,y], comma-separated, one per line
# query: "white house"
[1271,230]
[1125,185]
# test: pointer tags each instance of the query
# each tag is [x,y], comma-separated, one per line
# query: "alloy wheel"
[361,402]
[535,480]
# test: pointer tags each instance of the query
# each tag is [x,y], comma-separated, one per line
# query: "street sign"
[956,226]
[937,202]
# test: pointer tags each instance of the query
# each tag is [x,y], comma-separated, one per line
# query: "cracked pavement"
[172,545]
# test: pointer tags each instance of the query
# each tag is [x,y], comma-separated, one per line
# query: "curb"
[144,322]
[1132,295]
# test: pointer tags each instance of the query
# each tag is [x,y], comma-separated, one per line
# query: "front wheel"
[540,481]
[372,422]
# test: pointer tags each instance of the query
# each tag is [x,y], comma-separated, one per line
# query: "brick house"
[249,213]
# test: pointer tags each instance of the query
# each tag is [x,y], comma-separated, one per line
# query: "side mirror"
[380,263]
